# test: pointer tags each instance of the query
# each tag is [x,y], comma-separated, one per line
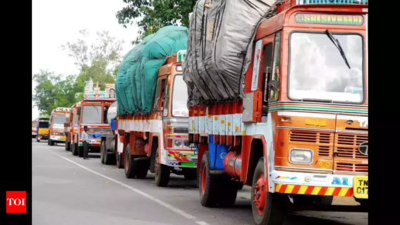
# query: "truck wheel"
[207,183]
[227,192]
[102,152]
[67,146]
[51,142]
[118,158]
[108,158]
[80,151]
[162,172]
[141,168]
[239,186]
[128,164]
[190,173]
[74,149]
[268,208]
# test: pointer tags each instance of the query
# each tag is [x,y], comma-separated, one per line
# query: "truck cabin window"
[319,72]
[76,119]
[58,119]
[91,114]
[179,97]
[105,114]
[43,124]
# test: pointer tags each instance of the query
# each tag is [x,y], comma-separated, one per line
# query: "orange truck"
[156,141]
[56,125]
[71,124]
[299,135]
[90,112]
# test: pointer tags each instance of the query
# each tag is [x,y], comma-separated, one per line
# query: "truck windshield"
[179,97]
[91,114]
[43,124]
[319,73]
[58,119]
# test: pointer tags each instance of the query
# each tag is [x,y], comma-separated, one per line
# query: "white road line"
[166,205]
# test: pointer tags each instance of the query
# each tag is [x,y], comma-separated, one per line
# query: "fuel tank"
[233,164]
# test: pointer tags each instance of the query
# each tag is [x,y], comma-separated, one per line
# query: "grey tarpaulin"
[219,48]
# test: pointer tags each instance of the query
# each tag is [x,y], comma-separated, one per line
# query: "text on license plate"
[360,189]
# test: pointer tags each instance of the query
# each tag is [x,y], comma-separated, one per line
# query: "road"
[68,190]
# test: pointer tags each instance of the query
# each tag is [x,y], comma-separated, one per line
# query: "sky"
[56,22]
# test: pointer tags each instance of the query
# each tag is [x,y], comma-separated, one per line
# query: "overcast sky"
[57,22]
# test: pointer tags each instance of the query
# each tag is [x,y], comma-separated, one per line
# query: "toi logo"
[16,202]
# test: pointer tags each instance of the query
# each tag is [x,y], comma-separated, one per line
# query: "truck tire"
[109,158]
[102,152]
[67,146]
[190,173]
[162,172]
[37,139]
[118,160]
[239,185]
[51,142]
[208,189]
[74,149]
[141,168]
[268,208]
[128,163]
[80,151]
[227,191]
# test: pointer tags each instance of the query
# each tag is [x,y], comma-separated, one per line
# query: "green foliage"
[154,14]
[52,91]
[98,61]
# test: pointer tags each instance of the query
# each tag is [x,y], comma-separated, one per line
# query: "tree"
[51,91]
[98,61]
[154,14]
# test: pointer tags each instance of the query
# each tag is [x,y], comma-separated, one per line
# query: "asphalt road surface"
[68,190]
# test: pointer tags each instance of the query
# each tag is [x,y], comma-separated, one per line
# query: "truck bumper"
[177,158]
[43,137]
[320,184]
[57,138]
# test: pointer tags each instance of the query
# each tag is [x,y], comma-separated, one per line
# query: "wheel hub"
[259,194]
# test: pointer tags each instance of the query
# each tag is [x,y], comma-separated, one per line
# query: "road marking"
[166,205]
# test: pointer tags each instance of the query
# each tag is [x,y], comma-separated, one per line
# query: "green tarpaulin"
[137,75]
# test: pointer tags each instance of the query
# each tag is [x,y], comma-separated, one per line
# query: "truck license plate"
[360,189]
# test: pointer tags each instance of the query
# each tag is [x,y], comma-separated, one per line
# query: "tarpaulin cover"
[137,76]
[219,48]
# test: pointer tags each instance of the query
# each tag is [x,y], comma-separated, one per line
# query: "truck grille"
[351,167]
[321,139]
[347,146]
[181,130]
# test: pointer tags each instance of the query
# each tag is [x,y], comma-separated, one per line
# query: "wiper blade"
[338,46]
[316,100]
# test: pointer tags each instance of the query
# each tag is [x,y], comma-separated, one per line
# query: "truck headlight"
[177,143]
[301,156]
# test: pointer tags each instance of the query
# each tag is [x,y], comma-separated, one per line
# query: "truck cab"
[42,128]
[93,114]
[56,126]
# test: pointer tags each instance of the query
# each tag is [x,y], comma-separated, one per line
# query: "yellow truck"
[42,128]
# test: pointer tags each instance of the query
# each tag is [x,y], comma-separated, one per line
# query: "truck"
[90,112]
[56,127]
[157,141]
[298,136]
[34,128]
[71,125]
[42,128]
